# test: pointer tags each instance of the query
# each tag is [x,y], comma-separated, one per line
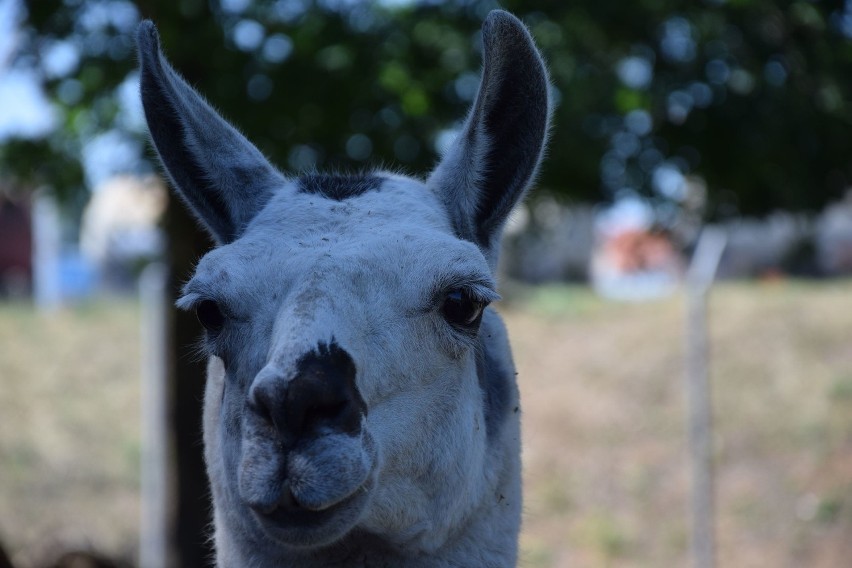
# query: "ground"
[605,457]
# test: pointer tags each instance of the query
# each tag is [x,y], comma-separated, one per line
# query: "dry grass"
[607,481]
[604,448]
[69,430]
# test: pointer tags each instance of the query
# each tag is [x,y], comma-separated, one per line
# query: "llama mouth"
[323,490]
[292,525]
[290,504]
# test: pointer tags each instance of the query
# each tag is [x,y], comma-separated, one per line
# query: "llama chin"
[361,406]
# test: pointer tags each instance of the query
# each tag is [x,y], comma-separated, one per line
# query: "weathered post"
[699,279]
[47,291]
[156,493]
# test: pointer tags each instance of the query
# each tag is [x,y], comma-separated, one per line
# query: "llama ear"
[495,156]
[221,176]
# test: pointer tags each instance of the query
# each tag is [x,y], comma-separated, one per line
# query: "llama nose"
[322,396]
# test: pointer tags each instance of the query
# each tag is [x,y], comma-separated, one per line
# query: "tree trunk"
[191,544]
[5,561]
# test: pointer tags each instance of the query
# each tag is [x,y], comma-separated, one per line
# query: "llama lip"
[293,501]
[328,470]
[292,525]
[315,476]
[316,493]
[288,505]
[286,502]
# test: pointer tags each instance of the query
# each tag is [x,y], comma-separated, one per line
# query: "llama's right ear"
[223,178]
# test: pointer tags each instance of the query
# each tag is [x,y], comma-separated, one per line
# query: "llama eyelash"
[477,287]
[188,301]
[191,300]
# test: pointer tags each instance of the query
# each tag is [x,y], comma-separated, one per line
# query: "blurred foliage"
[751,96]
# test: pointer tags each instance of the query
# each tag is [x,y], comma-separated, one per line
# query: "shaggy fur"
[352,417]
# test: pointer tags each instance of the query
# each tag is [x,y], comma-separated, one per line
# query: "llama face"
[360,388]
[379,299]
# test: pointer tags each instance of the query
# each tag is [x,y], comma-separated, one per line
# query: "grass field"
[606,476]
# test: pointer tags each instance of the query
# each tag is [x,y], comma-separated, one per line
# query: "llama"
[361,406]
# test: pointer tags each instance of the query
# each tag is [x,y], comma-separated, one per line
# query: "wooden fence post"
[699,279]
[156,492]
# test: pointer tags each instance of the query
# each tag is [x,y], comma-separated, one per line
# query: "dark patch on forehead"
[495,380]
[339,187]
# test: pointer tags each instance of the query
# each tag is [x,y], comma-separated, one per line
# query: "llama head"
[362,386]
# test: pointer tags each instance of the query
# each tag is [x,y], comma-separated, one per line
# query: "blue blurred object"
[77,276]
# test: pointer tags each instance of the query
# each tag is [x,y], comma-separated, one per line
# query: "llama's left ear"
[496,155]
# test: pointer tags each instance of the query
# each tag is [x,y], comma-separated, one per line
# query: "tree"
[748,94]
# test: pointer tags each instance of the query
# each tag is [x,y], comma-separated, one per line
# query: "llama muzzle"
[305,448]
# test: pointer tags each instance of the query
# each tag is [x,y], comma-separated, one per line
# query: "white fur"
[438,484]
[431,478]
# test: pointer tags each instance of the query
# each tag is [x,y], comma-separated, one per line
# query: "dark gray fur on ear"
[497,153]
[221,176]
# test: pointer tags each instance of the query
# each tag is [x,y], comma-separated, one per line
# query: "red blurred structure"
[16,247]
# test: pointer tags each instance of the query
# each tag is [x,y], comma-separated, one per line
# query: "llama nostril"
[315,401]
[322,396]
[263,401]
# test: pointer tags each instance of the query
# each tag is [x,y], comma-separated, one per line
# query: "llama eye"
[461,310]
[210,316]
